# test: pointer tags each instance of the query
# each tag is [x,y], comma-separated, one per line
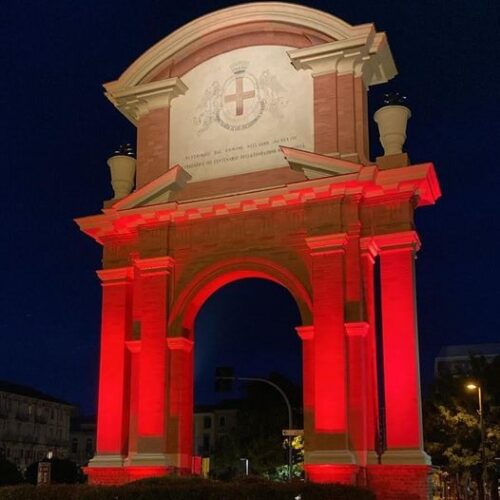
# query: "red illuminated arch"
[208,281]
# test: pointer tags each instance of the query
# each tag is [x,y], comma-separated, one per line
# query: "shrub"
[9,474]
[62,471]
[188,489]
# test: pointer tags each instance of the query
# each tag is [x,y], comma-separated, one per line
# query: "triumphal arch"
[253,161]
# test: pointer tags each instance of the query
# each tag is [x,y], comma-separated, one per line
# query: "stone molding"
[157,191]
[330,243]
[305,332]
[418,180]
[140,100]
[154,265]
[397,241]
[357,329]
[405,457]
[282,13]
[106,460]
[329,457]
[116,276]
[180,344]
[367,56]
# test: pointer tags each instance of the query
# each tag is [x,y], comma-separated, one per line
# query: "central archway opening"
[248,325]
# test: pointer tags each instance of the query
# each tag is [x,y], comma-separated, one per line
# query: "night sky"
[58,130]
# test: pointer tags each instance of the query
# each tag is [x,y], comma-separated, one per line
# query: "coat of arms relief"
[241,100]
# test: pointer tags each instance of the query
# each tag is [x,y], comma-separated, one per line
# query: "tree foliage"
[258,435]
[451,420]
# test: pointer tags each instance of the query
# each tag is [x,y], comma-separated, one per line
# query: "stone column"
[400,346]
[328,457]
[112,418]
[153,274]
[181,393]
[148,107]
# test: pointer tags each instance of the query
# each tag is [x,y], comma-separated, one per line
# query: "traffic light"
[224,378]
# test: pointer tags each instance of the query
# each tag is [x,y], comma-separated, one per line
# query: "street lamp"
[473,387]
[246,465]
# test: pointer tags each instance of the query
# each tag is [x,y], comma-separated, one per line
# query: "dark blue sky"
[58,129]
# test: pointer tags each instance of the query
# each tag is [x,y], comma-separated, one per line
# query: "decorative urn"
[392,120]
[122,166]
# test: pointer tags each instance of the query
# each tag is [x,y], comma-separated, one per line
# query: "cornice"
[417,181]
[366,55]
[305,332]
[328,243]
[179,344]
[134,102]
[115,276]
[191,33]
[154,264]
[357,329]
[397,241]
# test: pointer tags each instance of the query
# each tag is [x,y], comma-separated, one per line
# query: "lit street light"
[473,387]
[246,465]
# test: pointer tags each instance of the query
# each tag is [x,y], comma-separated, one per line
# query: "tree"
[258,435]
[451,422]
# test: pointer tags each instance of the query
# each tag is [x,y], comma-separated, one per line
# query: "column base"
[394,482]
[106,461]
[329,457]
[147,459]
[405,457]
[326,473]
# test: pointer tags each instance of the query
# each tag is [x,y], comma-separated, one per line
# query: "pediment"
[155,192]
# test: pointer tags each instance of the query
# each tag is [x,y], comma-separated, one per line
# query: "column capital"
[115,276]
[328,243]
[397,241]
[368,248]
[357,329]
[154,265]
[140,100]
[305,332]
[179,344]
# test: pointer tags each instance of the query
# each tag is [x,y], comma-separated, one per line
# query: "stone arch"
[290,21]
[215,276]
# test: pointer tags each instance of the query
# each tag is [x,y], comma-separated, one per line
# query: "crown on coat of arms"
[239,67]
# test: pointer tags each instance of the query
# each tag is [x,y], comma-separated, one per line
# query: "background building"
[32,424]
[210,424]
[82,439]
[455,359]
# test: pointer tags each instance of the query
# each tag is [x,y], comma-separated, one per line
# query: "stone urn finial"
[391,120]
[122,166]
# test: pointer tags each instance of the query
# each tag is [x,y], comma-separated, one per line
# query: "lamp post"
[246,465]
[222,374]
[473,387]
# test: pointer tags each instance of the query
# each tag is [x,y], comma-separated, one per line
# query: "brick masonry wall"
[397,482]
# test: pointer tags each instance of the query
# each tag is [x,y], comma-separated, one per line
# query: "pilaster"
[358,383]
[400,346]
[180,417]
[330,443]
[153,276]
[148,107]
[341,71]
[112,419]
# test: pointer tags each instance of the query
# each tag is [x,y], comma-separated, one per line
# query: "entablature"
[369,185]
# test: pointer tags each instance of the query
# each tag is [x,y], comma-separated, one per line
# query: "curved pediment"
[262,23]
